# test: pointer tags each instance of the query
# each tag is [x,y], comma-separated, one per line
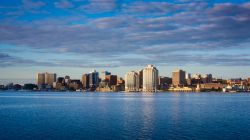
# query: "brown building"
[40,79]
[75,84]
[85,81]
[50,78]
[111,79]
[248,80]
[45,78]
[236,81]
[179,78]
[212,86]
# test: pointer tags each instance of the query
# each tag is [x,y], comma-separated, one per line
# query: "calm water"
[38,115]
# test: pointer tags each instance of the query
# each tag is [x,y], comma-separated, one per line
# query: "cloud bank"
[161,33]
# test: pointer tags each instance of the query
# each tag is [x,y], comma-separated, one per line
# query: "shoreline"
[233,92]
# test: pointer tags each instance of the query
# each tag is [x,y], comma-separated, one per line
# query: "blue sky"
[75,36]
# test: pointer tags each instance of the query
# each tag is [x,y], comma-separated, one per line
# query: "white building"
[132,82]
[150,79]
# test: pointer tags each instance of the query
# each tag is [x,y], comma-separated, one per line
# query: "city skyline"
[103,73]
[74,37]
[144,80]
[165,73]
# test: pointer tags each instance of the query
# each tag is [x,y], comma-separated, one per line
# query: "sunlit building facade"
[45,78]
[179,78]
[85,81]
[50,78]
[150,79]
[40,79]
[132,82]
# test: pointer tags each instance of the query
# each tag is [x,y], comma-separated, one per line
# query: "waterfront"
[72,115]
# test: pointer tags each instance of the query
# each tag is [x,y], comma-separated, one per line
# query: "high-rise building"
[93,79]
[40,79]
[111,79]
[85,81]
[50,78]
[45,78]
[140,78]
[178,78]
[132,81]
[150,79]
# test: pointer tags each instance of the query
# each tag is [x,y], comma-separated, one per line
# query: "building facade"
[50,78]
[40,79]
[164,82]
[132,82]
[140,78]
[111,79]
[179,78]
[85,81]
[93,79]
[45,78]
[150,79]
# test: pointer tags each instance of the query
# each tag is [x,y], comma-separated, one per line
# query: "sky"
[72,37]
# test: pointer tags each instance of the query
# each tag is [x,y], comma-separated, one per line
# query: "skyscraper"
[40,79]
[45,78]
[50,78]
[150,79]
[111,79]
[178,78]
[140,78]
[132,81]
[93,79]
[85,81]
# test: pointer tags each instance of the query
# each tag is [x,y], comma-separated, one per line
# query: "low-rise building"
[164,82]
[182,89]
[212,86]
[75,85]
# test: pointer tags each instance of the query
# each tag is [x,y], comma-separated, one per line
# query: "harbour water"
[65,115]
